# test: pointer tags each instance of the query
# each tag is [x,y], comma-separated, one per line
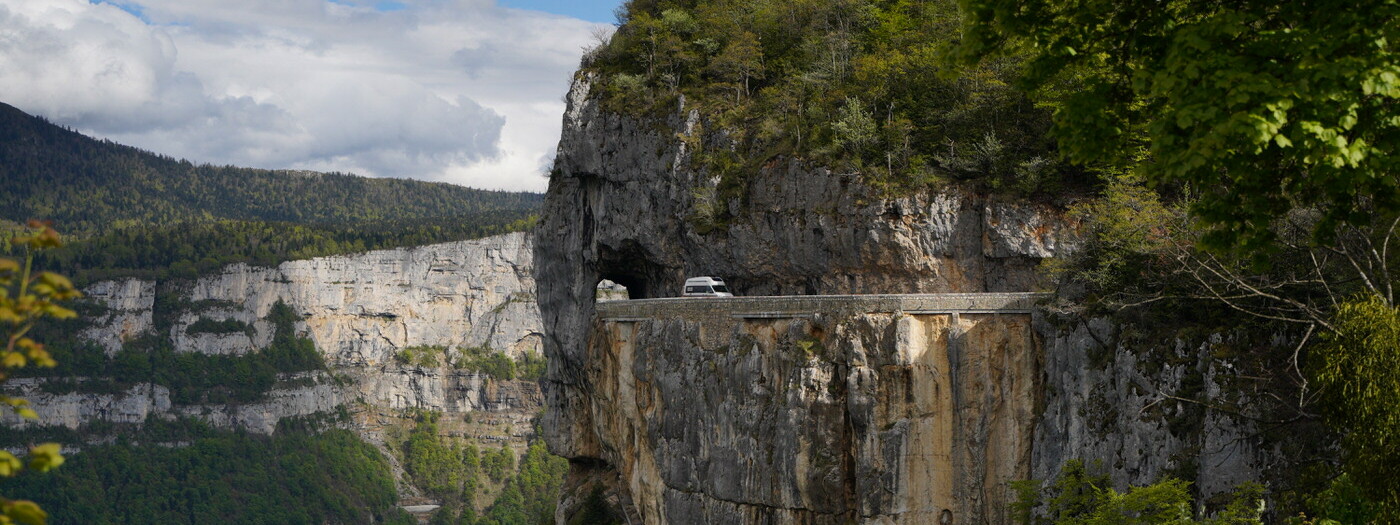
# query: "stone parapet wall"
[804,305]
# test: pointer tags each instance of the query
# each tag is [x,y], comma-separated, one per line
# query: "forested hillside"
[862,85]
[128,212]
[89,186]
[185,250]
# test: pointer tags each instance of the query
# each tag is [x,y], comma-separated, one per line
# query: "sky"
[462,91]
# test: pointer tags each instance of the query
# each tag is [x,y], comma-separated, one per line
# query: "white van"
[706,287]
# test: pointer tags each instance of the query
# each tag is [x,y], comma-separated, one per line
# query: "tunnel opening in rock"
[629,266]
[627,286]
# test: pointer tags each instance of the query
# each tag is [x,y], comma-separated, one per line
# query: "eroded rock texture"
[886,418]
[689,434]
[359,310]
[891,419]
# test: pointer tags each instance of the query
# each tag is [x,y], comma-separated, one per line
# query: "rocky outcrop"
[1140,411]
[715,420]
[362,309]
[127,304]
[358,310]
[625,205]
[311,394]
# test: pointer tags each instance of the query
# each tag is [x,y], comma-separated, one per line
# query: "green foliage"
[499,463]
[221,477]
[1259,107]
[1079,497]
[530,367]
[529,498]
[26,298]
[487,361]
[186,250]
[1343,502]
[860,85]
[1357,370]
[854,130]
[444,470]
[422,355]
[481,359]
[1128,231]
[455,472]
[227,326]
[191,377]
[93,187]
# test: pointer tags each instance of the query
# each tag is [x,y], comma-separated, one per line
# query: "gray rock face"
[360,310]
[143,400]
[128,304]
[1105,402]
[885,418]
[624,205]
[678,427]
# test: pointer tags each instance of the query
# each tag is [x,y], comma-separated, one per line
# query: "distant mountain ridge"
[132,213]
[88,186]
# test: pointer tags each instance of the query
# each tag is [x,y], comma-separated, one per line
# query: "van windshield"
[721,288]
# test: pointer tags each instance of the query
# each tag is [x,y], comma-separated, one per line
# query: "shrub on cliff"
[1078,496]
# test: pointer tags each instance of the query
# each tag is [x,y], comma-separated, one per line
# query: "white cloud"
[461,91]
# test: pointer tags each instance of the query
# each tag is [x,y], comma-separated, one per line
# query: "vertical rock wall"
[359,310]
[881,418]
[679,428]
[625,204]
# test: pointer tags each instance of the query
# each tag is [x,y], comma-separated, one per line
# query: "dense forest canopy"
[186,250]
[88,186]
[864,85]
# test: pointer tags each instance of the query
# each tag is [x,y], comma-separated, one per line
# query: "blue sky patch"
[590,10]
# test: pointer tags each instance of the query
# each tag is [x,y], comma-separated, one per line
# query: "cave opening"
[633,287]
[627,265]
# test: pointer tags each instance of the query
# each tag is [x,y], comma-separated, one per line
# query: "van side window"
[696,289]
[721,288]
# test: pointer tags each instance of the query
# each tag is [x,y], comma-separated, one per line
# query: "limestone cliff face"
[1138,412]
[686,420]
[622,206]
[359,310]
[305,395]
[837,418]
[625,199]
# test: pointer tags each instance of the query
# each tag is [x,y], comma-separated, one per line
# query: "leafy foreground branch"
[25,299]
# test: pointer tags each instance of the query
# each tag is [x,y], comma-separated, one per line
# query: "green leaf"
[45,457]
[26,512]
[9,464]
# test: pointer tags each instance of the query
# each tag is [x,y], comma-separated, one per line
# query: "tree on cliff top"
[797,78]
